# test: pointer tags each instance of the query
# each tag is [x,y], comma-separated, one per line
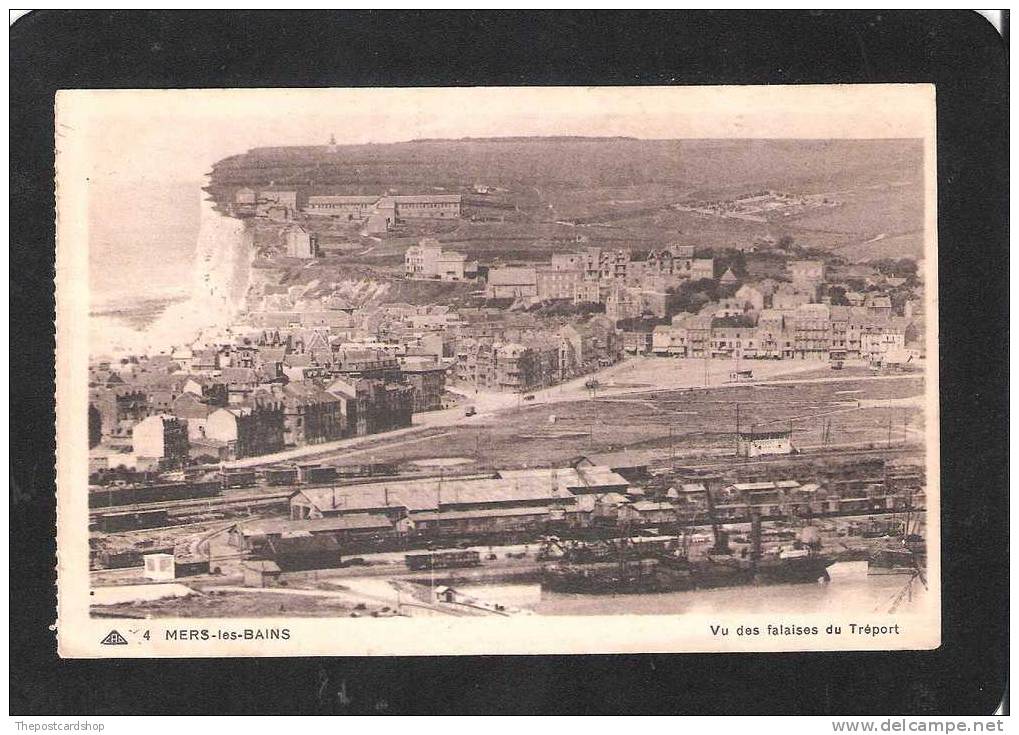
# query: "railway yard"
[857,468]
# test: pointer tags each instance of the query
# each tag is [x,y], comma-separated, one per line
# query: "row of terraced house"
[810,331]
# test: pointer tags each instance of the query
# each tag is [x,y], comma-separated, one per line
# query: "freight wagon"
[277,476]
[190,567]
[373,469]
[125,559]
[132,520]
[238,478]
[113,495]
[442,560]
[312,474]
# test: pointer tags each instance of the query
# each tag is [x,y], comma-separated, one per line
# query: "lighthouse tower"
[332,144]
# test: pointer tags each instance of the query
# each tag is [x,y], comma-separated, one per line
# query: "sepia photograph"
[497,370]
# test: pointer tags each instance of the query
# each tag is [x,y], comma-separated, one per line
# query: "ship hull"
[608,578]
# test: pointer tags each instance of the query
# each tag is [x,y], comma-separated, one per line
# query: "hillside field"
[615,191]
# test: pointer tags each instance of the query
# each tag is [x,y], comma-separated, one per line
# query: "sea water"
[165,269]
[858,594]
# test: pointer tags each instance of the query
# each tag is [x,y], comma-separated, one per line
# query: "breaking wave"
[221,271]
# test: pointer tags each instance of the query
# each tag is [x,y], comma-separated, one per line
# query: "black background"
[958,51]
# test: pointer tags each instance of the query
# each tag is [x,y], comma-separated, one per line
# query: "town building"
[248,430]
[299,243]
[310,415]
[512,283]
[426,206]
[733,337]
[751,296]
[589,345]
[427,259]
[806,272]
[245,197]
[371,406]
[789,296]
[591,292]
[194,412]
[669,340]
[606,264]
[509,366]
[886,337]
[347,208]
[653,302]
[623,303]
[381,218]
[811,326]
[568,262]
[277,204]
[637,343]
[698,330]
[701,269]
[255,536]
[366,363]
[160,442]
[428,379]
[553,282]
[240,382]
[119,408]
[878,304]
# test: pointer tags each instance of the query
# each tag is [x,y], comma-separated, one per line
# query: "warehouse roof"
[601,477]
[428,494]
[576,480]
[340,199]
[650,505]
[752,486]
[426,198]
[450,515]
[352,522]
[286,545]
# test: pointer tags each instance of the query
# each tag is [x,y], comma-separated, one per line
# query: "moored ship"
[677,575]
[628,569]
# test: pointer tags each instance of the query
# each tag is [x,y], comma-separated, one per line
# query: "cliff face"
[359,286]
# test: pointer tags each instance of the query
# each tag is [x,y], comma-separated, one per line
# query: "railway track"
[185,504]
[273,496]
[784,458]
[190,506]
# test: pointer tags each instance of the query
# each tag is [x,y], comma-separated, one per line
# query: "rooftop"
[429,494]
[426,199]
[267,527]
[343,199]
[512,276]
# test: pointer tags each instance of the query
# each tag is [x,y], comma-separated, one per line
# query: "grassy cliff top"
[625,183]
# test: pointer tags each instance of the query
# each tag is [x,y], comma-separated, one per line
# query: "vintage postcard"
[497,370]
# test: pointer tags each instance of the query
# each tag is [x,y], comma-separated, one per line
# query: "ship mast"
[755,538]
[720,536]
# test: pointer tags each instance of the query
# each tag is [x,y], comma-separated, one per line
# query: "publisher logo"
[113,638]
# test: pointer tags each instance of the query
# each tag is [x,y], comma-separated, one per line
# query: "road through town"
[634,376]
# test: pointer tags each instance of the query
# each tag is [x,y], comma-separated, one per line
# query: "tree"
[95,426]
[691,296]
[837,294]
[739,264]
